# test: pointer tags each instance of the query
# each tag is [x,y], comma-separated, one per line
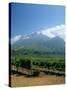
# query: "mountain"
[56,44]
[40,43]
[31,39]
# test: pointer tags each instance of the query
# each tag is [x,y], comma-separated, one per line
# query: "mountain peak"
[57,31]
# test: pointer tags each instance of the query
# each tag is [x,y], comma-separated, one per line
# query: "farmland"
[21,80]
[29,60]
[42,69]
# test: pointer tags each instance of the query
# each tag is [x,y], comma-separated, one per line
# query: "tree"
[26,63]
[17,63]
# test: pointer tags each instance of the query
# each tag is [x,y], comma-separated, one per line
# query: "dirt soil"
[22,80]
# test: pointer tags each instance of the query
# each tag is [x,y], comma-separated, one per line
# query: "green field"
[29,60]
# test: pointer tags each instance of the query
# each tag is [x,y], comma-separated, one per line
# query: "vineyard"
[49,64]
[36,67]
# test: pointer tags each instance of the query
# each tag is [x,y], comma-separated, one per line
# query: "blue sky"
[28,18]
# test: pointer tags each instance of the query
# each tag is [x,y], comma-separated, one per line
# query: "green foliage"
[28,59]
[26,63]
[17,63]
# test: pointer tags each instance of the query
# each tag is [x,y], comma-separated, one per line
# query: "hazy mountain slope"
[40,43]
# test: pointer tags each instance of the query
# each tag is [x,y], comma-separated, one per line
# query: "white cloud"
[15,39]
[18,37]
[52,32]
[25,37]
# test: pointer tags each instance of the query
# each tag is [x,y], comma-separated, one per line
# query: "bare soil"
[22,80]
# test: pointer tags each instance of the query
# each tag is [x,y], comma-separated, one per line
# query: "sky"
[28,18]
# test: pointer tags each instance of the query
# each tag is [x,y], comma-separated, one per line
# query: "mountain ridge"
[40,43]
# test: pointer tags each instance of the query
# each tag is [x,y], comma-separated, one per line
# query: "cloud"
[18,37]
[52,32]
[15,39]
[25,37]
